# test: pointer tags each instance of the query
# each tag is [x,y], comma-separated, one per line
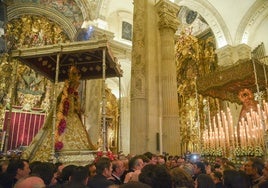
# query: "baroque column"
[168,24]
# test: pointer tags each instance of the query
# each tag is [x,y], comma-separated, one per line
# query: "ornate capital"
[167,12]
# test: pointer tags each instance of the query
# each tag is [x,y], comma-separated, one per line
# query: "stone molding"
[252,19]
[213,18]
[229,55]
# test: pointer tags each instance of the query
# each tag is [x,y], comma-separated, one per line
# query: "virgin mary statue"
[69,133]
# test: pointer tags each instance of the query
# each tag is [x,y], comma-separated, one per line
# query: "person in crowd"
[104,171]
[204,181]
[235,179]
[78,178]
[157,176]
[91,170]
[264,183]
[30,182]
[253,168]
[173,163]
[217,179]
[207,167]
[64,176]
[188,167]
[118,170]
[4,165]
[180,161]
[181,178]
[199,168]
[134,184]
[45,170]
[16,170]
[161,160]
[151,156]
[135,165]
[58,169]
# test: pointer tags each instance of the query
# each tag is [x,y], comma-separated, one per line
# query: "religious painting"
[126,31]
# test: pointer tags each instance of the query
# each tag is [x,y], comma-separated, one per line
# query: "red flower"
[62,126]
[100,154]
[58,145]
[66,106]
[71,90]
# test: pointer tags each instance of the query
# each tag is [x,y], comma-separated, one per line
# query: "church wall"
[260,35]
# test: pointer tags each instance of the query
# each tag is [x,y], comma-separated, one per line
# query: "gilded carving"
[195,57]
[31,89]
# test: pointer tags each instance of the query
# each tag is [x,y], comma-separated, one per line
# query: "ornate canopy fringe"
[226,83]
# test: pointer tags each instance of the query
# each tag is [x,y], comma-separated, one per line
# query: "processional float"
[93,59]
[237,83]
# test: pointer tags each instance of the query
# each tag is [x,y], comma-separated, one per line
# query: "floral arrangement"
[240,151]
[107,154]
[212,152]
[70,88]
[258,151]
[248,151]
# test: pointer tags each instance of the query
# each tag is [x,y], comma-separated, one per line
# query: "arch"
[89,9]
[212,17]
[18,9]
[252,19]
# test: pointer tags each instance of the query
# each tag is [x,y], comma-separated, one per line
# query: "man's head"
[18,168]
[253,167]
[30,182]
[118,167]
[104,167]
[136,163]
[79,175]
[199,168]
[92,170]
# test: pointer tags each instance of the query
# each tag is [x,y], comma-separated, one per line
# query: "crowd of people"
[140,171]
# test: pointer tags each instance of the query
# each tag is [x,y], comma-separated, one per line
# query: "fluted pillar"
[168,24]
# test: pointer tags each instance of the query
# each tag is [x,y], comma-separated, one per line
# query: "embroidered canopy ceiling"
[226,83]
[87,56]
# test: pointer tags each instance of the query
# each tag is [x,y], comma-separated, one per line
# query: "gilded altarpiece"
[195,57]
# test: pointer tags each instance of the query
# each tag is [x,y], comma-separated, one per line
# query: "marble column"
[168,24]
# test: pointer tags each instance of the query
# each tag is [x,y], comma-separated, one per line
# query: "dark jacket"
[99,181]
[116,180]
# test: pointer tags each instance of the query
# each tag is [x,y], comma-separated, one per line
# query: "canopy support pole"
[52,157]
[14,78]
[104,128]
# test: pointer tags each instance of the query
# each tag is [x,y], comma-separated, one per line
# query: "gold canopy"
[87,56]
[226,82]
